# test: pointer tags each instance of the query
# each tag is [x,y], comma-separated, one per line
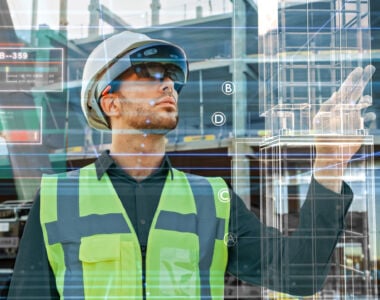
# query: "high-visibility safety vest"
[94,251]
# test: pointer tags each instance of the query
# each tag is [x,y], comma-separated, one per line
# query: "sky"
[136,13]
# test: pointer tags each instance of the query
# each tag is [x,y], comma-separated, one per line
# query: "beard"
[155,123]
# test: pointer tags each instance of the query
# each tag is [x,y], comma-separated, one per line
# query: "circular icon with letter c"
[224,195]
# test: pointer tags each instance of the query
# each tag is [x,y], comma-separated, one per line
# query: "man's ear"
[110,105]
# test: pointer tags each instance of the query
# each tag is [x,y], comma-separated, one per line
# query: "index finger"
[367,74]
[352,88]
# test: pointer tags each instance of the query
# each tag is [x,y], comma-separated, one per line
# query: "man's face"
[148,104]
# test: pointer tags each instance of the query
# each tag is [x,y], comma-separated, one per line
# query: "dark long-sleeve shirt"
[258,254]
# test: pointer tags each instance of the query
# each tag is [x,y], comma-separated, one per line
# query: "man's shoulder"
[72,171]
[192,175]
[200,179]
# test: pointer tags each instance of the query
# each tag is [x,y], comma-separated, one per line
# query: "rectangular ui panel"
[31,69]
[21,125]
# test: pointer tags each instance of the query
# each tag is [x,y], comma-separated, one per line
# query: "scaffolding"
[307,50]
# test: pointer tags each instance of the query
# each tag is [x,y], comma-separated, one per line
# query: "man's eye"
[172,76]
[159,76]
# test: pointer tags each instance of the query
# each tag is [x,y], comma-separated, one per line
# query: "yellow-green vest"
[94,251]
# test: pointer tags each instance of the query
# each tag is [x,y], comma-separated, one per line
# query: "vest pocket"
[99,248]
[178,272]
[100,257]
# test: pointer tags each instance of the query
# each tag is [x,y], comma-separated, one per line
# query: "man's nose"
[167,86]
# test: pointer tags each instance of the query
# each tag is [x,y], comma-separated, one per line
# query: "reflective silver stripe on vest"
[205,224]
[70,228]
[170,220]
[208,226]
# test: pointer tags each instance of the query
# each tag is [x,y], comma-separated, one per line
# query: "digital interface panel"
[21,125]
[25,69]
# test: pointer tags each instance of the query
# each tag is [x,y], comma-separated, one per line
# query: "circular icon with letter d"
[218,118]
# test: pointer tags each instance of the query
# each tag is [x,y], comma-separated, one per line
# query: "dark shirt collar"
[105,162]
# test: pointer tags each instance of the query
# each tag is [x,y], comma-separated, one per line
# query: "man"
[130,226]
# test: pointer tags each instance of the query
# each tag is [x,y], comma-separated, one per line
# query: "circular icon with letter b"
[228,88]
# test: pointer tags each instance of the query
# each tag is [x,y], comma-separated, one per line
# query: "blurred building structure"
[308,49]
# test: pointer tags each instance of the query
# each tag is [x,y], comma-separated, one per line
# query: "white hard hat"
[113,57]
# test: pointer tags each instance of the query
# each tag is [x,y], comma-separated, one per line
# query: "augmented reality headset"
[143,61]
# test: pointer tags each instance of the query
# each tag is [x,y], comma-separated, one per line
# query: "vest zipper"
[143,256]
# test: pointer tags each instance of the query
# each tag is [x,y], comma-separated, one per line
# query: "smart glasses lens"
[158,71]
[157,61]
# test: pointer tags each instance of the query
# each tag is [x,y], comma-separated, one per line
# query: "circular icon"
[224,195]
[230,239]
[218,118]
[228,88]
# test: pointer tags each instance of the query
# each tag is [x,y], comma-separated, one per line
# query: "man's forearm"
[329,174]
